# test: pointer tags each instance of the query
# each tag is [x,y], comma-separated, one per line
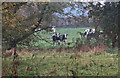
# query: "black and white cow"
[57,38]
[89,32]
[92,33]
[63,38]
[53,29]
[100,33]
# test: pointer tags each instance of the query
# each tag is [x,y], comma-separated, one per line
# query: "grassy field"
[50,62]
[61,64]
[72,35]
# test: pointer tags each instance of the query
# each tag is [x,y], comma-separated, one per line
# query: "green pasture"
[52,62]
[72,35]
[61,64]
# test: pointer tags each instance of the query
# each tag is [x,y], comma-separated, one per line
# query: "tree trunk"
[118,28]
[118,39]
[15,63]
[15,53]
[113,43]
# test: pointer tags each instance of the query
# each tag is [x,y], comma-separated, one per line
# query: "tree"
[21,19]
[106,17]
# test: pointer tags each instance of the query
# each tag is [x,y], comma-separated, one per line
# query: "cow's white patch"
[87,31]
[101,31]
[93,30]
[57,34]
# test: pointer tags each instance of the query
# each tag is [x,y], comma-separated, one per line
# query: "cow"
[89,32]
[101,33]
[93,33]
[63,38]
[53,29]
[57,38]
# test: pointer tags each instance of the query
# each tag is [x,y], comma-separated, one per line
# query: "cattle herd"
[62,38]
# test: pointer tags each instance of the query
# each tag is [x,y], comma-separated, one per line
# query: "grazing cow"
[92,33]
[89,32]
[100,33]
[63,38]
[57,38]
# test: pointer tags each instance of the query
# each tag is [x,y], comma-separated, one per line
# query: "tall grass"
[63,64]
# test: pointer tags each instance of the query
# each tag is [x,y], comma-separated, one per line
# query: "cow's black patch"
[54,37]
